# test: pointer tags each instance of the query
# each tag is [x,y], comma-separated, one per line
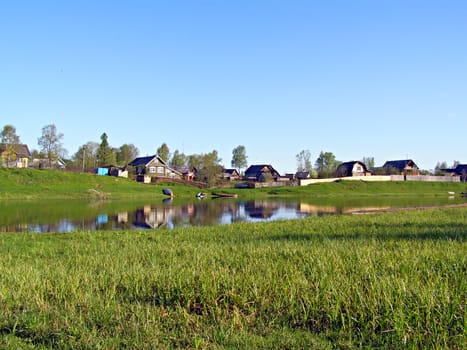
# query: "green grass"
[50,184]
[391,280]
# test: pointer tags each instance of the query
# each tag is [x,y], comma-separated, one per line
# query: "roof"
[400,164]
[184,169]
[230,171]
[256,170]
[459,169]
[302,174]
[145,160]
[21,150]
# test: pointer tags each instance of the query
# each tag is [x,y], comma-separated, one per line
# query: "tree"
[10,139]
[50,143]
[303,161]
[439,166]
[9,135]
[239,158]
[369,162]
[85,158]
[105,153]
[326,164]
[208,165]
[178,159]
[164,152]
[126,153]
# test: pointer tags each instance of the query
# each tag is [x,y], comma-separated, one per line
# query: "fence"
[427,178]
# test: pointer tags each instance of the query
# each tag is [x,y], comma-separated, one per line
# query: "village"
[155,169]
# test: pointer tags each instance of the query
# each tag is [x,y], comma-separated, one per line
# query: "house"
[261,173]
[188,173]
[353,168]
[15,155]
[401,167]
[459,170]
[153,166]
[230,174]
[42,163]
[301,175]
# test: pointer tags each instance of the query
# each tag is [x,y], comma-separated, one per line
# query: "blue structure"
[102,171]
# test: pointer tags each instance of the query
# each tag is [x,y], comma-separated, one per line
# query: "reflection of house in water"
[122,218]
[152,217]
[316,209]
[260,209]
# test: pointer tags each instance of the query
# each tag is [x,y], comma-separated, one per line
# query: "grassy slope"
[392,280]
[35,184]
[47,184]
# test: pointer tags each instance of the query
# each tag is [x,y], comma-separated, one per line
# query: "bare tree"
[50,143]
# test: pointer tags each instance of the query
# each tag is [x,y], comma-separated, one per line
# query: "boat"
[168,192]
[201,195]
[224,195]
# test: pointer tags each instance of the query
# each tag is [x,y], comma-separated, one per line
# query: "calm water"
[67,216]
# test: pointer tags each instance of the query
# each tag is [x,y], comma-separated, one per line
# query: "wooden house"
[153,166]
[301,175]
[15,155]
[261,173]
[230,174]
[188,173]
[402,167]
[459,170]
[353,168]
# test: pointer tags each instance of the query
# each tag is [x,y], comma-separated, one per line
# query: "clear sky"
[359,78]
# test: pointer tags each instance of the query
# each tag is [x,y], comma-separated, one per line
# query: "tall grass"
[390,280]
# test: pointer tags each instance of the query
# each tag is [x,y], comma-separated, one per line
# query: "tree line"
[97,154]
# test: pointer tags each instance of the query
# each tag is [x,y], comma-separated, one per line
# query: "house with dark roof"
[401,167]
[261,173]
[459,170]
[153,166]
[353,168]
[188,173]
[230,174]
[15,155]
[300,175]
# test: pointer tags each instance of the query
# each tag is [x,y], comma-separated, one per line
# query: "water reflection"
[74,216]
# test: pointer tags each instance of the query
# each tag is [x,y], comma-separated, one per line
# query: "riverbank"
[48,184]
[388,280]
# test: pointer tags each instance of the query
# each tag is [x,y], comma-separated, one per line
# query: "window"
[160,169]
[152,169]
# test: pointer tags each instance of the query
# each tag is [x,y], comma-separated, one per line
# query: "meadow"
[387,280]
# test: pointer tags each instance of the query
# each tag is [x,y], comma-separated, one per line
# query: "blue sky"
[359,78]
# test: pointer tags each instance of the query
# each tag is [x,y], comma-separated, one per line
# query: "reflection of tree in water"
[260,209]
[207,213]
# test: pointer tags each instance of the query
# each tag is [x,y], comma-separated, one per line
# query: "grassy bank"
[47,184]
[388,280]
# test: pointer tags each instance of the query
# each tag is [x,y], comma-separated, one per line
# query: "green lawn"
[390,280]
[49,184]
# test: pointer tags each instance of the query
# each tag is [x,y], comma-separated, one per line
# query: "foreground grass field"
[387,280]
